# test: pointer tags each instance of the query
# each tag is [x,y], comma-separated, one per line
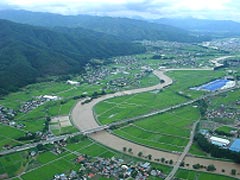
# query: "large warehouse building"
[219,141]
[235,146]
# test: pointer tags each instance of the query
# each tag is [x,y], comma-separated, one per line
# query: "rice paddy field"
[192,175]
[125,107]
[47,164]
[13,164]
[34,120]
[9,135]
[228,98]
[169,131]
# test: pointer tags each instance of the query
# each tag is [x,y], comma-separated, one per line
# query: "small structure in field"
[73,82]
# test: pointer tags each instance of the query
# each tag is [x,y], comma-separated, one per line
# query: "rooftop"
[219,140]
[235,146]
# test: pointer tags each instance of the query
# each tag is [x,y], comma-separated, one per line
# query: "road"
[32,145]
[183,155]
[82,115]
[83,118]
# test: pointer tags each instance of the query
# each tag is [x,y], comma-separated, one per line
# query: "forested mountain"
[28,52]
[128,29]
[202,25]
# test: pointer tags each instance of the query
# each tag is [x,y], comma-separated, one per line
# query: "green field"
[13,163]
[120,108]
[225,129]
[8,136]
[228,98]
[48,164]
[192,175]
[183,80]
[196,150]
[169,131]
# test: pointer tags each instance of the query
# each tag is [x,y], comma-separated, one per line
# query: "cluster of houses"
[178,54]
[221,113]
[6,115]
[34,103]
[231,44]
[111,168]
[94,75]
[122,67]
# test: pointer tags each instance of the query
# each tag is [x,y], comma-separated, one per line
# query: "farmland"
[169,131]
[48,164]
[35,119]
[192,175]
[125,107]
[9,135]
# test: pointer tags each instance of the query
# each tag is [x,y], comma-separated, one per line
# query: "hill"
[28,52]
[127,29]
[202,25]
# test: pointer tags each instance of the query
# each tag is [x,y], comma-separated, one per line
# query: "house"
[73,82]
[80,159]
[52,98]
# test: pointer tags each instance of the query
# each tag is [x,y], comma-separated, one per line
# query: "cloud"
[216,9]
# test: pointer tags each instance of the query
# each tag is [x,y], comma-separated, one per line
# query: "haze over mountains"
[51,44]
[202,25]
[127,29]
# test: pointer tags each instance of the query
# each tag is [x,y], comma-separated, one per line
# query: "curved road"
[83,118]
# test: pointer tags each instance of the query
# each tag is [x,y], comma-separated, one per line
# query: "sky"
[149,9]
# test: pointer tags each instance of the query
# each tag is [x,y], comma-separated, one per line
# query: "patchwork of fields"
[169,131]
[125,107]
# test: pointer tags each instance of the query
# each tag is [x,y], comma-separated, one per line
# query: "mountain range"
[35,44]
[125,28]
[202,25]
[28,52]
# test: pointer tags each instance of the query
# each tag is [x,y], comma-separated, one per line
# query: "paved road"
[89,126]
[83,119]
[183,155]
[32,145]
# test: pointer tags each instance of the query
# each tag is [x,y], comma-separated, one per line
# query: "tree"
[140,154]
[134,174]
[149,156]
[162,160]
[233,172]
[124,149]
[171,161]
[211,167]
[182,164]
[196,166]
[129,150]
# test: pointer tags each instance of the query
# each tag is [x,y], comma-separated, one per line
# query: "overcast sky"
[211,9]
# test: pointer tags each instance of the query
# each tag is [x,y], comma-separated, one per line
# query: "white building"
[229,84]
[52,98]
[219,141]
[73,82]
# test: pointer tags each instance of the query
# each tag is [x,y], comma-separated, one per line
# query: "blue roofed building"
[235,146]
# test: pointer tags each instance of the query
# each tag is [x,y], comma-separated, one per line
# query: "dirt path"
[83,119]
